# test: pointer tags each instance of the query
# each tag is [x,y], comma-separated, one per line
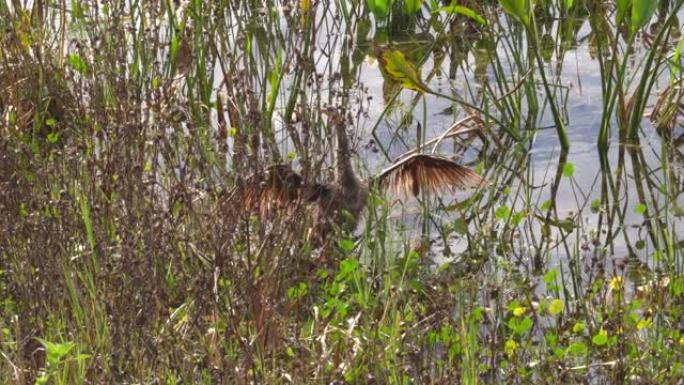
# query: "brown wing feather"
[279,184]
[420,171]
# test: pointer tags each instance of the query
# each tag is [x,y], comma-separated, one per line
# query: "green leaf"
[510,347]
[556,307]
[503,213]
[578,349]
[412,6]
[275,79]
[380,8]
[677,56]
[550,276]
[454,9]
[23,210]
[678,210]
[568,225]
[644,323]
[558,352]
[601,338]
[56,351]
[517,218]
[402,71]
[348,266]
[657,255]
[346,245]
[520,310]
[78,64]
[520,9]
[87,220]
[567,4]
[477,315]
[551,339]
[53,137]
[519,326]
[460,226]
[595,206]
[569,169]
[622,7]
[298,291]
[642,11]
[579,327]
[82,357]
[640,209]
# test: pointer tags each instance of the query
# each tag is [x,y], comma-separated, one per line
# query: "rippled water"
[582,101]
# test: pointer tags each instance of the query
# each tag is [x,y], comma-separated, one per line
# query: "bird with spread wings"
[342,202]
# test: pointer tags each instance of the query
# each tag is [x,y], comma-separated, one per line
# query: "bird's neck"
[344,172]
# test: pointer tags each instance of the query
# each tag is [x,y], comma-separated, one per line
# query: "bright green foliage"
[642,11]
[578,349]
[77,62]
[556,307]
[640,209]
[465,11]
[412,6]
[520,9]
[622,7]
[567,4]
[569,170]
[600,338]
[380,8]
[519,325]
[579,327]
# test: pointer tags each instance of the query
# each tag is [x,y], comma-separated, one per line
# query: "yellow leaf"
[304,10]
[616,283]
[644,324]
[401,70]
[556,307]
[520,310]
[510,347]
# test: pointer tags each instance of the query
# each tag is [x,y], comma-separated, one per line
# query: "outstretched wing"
[420,171]
[278,185]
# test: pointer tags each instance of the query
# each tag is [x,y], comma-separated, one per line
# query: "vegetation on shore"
[126,127]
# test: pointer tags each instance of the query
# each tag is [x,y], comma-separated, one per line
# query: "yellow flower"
[681,341]
[616,283]
[644,323]
[520,310]
[510,347]
[556,306]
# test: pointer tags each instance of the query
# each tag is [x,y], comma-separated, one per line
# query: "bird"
[341,203]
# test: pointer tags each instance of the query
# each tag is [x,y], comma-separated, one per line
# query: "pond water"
[395,126]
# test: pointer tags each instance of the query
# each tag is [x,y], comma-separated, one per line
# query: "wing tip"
[417,172]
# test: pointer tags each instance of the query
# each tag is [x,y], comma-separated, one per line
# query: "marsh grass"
[127,126]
